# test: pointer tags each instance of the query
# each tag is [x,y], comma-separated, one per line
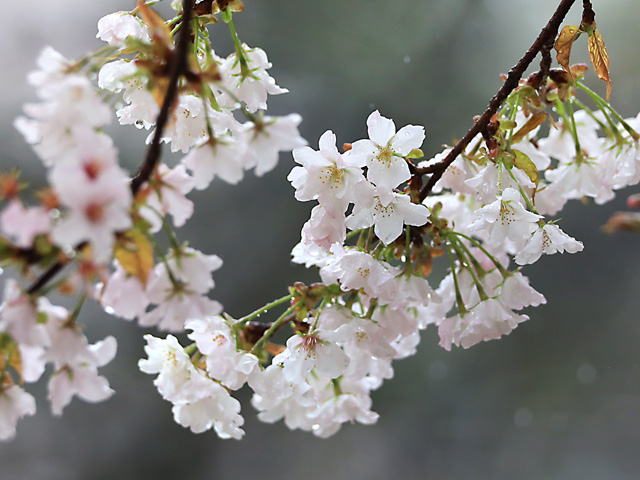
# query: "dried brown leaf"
[534,122]
[599,58]
[564,43]
[160,33]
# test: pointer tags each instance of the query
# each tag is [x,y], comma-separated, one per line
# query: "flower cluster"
[384,214]
[94,217]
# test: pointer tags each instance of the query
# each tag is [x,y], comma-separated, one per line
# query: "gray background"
[557,399]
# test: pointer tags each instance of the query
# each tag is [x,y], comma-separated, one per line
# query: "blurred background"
[559,398]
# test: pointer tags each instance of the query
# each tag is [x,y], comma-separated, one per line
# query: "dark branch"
[45,277]
[515,74]
[588,15]
[179,66]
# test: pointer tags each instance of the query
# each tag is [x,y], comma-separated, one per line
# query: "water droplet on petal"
[407,59]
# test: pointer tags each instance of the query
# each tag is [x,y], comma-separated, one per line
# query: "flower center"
[94,212]
[506,213]
[386,157]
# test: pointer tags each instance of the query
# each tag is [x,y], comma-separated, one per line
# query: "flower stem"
[603,104]
[239,323]
[258,346]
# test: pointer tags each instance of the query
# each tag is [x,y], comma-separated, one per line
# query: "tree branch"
[179,67]
[515,74]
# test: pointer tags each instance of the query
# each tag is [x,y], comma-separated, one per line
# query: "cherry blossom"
[387,215]
[326,175]
[116,27]
[506,218]
[15,403]
[547,239]
[251,86]
[385,149]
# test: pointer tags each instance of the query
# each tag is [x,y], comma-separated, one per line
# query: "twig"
[179,67]
[515,74]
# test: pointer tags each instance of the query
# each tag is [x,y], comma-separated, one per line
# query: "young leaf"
[10,356]
[525,164]
[599,58]
[135,254]
[563,45]
[415,153]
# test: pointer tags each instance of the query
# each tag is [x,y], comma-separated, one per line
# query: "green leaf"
[135,254]
[525,164]
[507,125]
[415,153]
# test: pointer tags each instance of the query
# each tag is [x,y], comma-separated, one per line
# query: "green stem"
[174,20]
[319,311]
[524,195]
[239,323]
[574,133]
[407,254]
[245,71]
[505,273]
[460,303]
[353,234]
[189,350]
[258,346]
[163,257]
[611,128]
[460,249]
[195,28]
[605,105]
[77,308]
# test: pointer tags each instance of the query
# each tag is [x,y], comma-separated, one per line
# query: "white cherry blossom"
[384,149]
[488,320]
[548,239]
[15,403]
[264,141]
[222,158]
[506,218]
[326,175]
[167,195]
[225,363]
[124,295]
[22,225]
[215,408]
[251,88]
[387,214]
[116,27]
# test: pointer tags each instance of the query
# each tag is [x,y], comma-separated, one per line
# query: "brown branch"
[179,66]
[515,74]
[43,279]
[588,15]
